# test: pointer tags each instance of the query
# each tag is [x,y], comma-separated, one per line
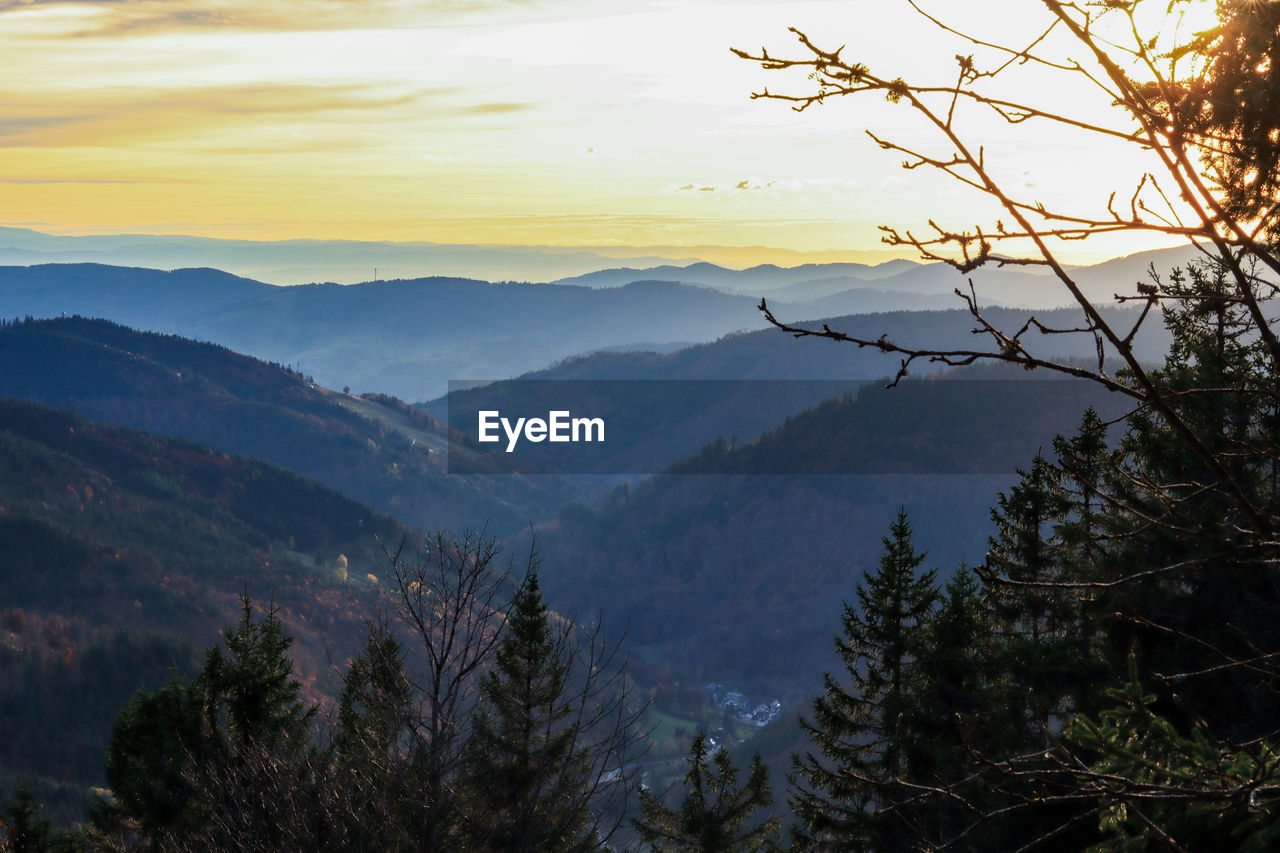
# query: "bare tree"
[1202,107]
[1144,72]
[455,596]
[452,595]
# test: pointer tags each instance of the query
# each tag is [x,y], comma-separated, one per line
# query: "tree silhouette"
[715,816]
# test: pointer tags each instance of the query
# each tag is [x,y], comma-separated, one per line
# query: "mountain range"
[125,550]
[377,450]
[409,338]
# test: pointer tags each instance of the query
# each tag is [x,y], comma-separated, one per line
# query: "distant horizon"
[638,256]
[506,125]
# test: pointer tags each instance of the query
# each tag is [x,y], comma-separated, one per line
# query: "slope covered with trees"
[206,393]
[733,564]
[124,552]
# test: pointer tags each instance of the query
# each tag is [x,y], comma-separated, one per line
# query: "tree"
[1170,543]
[213,764]
[1038,619]
[25,831]
[715,816]
[449,597]
[526,775]
[861,727]
[1230,108]
[376,757]
[1175,198]
[962,710]
[466,635]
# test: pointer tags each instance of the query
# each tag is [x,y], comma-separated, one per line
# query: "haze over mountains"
[302,261]
[410,337]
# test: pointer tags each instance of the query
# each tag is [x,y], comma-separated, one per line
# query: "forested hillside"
[124,553]
[733,565]
[172,386]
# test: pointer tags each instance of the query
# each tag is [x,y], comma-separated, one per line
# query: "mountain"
[406,338]
[301,261]
[773,354]
[142,298]
[377,450]
[125,553]
[916,285]
[763,277]
[732,566]
[660,408]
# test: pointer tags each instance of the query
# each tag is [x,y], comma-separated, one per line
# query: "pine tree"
[959,713]
[375,751]
[716,816]
[218,763]
[526,778]
[1037,619]
[151,757]
[861,727]
[25,831]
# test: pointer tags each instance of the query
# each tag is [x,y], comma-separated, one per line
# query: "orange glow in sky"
[560,122]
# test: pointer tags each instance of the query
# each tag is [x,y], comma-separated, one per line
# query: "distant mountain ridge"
[406,338]
[771,354]
[760,277]
[908,280]
[733,565]
[300,261]
[203,392]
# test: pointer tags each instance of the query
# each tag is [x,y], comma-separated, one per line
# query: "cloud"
[86,181]
[128,116]
[498,108]
[777,185]
[134,17]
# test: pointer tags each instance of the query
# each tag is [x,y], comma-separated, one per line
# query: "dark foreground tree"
[376,760]
[455,600]
[862,722]
[715,816]
[22,829]
[216,764]
[546,766]
[233,760]
[1168,551]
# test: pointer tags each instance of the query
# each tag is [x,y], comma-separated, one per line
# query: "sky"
[543,122]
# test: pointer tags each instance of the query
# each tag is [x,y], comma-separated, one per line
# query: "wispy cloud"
[130,116]
[774,186]
[497,108]
[150,17]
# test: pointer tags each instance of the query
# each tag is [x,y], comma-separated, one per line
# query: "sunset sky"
[561,122]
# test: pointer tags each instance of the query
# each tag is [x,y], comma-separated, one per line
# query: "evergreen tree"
[24,831]
[959,713]
[1215,794]
[1034,617]
[223,762]
[151,758]
[375,751]
[861,727]
[526,777]
[716,816]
